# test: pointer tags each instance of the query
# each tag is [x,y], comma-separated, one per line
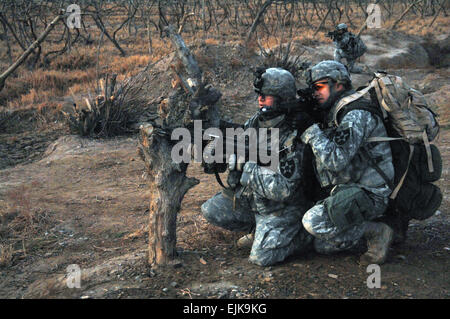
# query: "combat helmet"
[277,82]
[328,69]
[335,72]
[341,27]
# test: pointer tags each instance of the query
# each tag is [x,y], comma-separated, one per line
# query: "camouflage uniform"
[349,47]
[271,203]
[341,162]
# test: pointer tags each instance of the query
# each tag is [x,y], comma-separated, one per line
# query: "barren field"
[69,200]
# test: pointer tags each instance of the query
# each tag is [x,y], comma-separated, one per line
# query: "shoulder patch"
[343,133]
[287,168]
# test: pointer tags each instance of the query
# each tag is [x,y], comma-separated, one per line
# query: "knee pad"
[308,217]
[214,206]
[306,221]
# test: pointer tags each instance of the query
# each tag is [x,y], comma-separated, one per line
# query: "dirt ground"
[69,200]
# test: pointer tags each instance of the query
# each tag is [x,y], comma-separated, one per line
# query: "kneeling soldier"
[268,204]
[345,165]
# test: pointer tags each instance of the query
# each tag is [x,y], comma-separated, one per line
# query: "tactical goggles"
[319,86]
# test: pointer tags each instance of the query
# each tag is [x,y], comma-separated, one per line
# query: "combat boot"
[379,237]
[246,241]
[399,224]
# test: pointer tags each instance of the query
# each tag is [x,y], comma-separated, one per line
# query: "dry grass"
[204,60]
[420,27]
[22,224]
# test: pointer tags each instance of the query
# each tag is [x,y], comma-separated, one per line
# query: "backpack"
[358,47]
[411,125]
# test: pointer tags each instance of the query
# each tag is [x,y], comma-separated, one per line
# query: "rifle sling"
[219,180]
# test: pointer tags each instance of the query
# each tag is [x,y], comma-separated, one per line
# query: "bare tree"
[28,51]
[258,19]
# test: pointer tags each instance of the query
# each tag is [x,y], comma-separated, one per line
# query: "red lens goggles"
[319,86]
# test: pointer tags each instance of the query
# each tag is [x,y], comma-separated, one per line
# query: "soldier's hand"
[234,178]
[235,163]
[301,121]
[247,172]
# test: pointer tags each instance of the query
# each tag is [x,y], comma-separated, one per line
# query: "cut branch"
[184,54]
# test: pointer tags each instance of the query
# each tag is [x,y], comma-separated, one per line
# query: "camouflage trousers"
[328,238]
[339,54]
[277,235]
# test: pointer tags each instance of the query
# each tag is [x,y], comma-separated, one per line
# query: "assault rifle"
[334,35]
[293,110]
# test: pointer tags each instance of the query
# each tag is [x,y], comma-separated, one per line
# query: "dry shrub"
[20,205]
[6,254]
[281,56]
[32,97]
[115,111]
[82,87]
[419,26]
[49,84]
[58,80]
[48,112]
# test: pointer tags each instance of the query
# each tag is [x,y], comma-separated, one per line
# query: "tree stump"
[169,183]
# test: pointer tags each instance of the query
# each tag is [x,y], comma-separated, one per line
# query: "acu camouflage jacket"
[339,156]
[351,45]
[271,191]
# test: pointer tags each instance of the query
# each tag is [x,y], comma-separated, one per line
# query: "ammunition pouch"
[347,206]
[422,161]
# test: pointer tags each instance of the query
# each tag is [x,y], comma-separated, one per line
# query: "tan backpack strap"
[384,106]
[348,99]
[397,188]
[426,142]
[386,90]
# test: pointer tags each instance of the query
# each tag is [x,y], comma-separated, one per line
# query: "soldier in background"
[348,46]
[267,204]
